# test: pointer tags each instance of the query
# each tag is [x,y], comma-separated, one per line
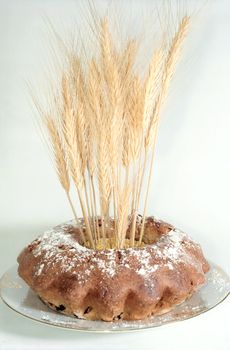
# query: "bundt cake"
[113,284]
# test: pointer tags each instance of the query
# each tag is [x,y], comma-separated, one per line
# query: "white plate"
[19,297]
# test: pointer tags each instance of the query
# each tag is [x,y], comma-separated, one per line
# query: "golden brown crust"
[107,285]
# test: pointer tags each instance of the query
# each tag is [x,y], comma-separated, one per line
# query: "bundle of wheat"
[103,130]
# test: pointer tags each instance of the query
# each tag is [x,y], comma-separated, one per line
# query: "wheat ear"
[60,164]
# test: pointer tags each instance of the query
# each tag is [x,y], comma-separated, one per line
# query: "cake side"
[131,283]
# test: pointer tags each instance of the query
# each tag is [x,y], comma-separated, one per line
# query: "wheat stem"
[95,206]
[148,187]
[92,206]
[84,212]
[75,216]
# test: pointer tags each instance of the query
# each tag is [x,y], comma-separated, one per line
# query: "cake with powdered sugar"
[112,284]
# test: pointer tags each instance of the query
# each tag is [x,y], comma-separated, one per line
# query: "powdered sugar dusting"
[39,271]
[59,247]
[107,265]
[52,239]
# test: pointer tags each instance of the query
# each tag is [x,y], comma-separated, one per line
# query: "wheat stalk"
[123,215]
[73,150]
[60,163]
[170,65]
[151,88]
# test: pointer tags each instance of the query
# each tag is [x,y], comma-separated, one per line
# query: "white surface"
[190,189]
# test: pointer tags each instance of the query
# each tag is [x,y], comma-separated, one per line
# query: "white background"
[191,181]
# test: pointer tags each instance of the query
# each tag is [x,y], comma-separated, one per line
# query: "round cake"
[113,284]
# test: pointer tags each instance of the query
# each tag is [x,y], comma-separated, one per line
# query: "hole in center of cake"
[111,243]
[152,232]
